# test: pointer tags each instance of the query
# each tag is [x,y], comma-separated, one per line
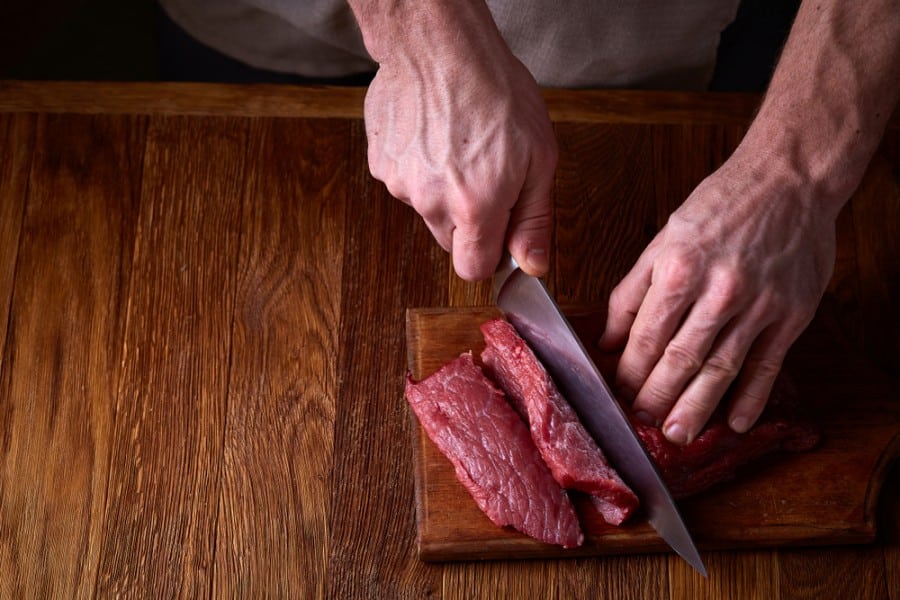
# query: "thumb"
[528,233]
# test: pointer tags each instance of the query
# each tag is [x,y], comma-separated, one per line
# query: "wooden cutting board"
[827,496]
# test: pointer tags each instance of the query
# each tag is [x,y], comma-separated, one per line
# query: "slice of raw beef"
[568,449]
[474,426]
[718,452]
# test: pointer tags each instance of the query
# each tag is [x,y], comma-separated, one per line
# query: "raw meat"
[474,426]
[718,451]
[568,449]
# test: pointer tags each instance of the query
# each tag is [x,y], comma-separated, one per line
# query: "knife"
[528,306]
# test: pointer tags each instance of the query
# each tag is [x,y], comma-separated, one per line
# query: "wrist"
[823,165]
[433,31]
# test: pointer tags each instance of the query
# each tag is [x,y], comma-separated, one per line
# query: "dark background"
[102,40]
[109,40]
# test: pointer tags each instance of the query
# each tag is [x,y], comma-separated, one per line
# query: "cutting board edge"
[886,463]
[525,548]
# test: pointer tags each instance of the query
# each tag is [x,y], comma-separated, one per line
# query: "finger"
[720,368]
[528,234]
[476,248]
[688,349]
[672,292]
[760,370]
[433,211]
[624,303]
[440,226]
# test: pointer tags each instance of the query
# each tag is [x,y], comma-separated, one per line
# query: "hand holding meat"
[738,270]
[733,278]
[460,131]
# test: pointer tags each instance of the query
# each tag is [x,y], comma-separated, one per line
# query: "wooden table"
[202,298]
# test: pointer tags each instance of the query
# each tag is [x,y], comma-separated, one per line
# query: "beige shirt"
[564,43]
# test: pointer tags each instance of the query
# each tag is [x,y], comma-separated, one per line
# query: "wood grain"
[846,574]
[605,209]
[371,551]
[754,577]
[16,143]
[777,504]
[202,317]
[274,503]
[167,450]
[61,362]
[273,100]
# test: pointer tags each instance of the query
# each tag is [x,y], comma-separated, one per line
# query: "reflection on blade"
[527,304]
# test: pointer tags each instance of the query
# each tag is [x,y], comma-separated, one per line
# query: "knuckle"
[728,288]
[428,207]
[644,343]
[473,236]
[764,369]
[657,396]
[682,359]
[533,223]
[468,211]
[722,367]
[679,271]
[700,406]
[753,399]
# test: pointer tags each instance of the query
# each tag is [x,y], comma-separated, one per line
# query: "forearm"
[831,96]
[432,30]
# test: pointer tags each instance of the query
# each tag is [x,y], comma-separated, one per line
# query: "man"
[458,130]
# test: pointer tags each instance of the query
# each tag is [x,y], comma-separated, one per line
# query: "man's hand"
[737,272]
[732,279]
[457,128]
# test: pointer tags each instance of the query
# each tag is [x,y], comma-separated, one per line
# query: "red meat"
[718,452]
[568,449]
[471,423]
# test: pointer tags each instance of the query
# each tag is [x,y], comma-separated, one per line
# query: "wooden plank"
[170,98]
[62,362]
[613,577]
[840,573]
[604,215]
[500,581]
[467,293]
[778,503]
[167,450]
[750,576]
[16,144]
[273,100]
[272,538]
[609,578]
[638,107]
[390,263]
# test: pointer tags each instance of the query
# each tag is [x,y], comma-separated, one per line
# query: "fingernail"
[740,424]
[646,418]
[676,434]
[537,260]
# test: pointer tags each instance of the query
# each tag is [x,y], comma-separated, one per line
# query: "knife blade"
[528,306]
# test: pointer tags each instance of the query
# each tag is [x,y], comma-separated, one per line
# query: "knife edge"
[528,306]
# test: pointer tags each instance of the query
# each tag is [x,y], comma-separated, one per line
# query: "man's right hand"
[457,128]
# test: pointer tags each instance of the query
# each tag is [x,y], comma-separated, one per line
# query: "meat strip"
[495,459]
[568,449]
[718,452]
